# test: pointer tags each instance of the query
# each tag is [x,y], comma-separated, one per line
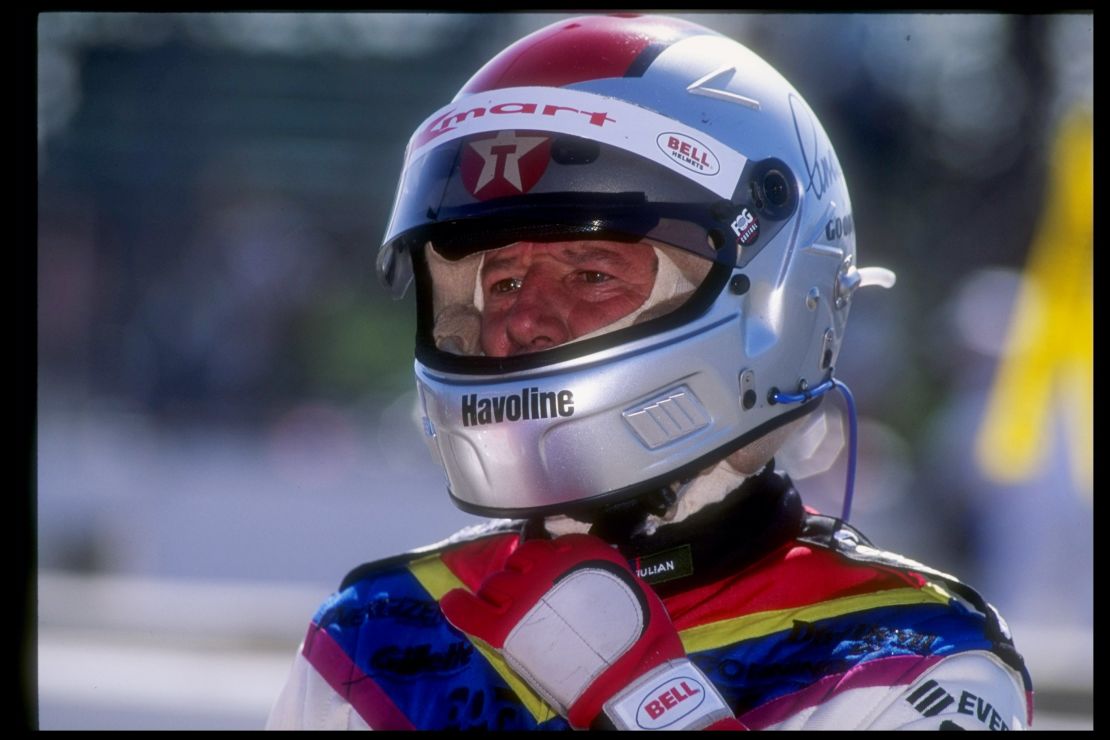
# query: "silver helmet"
[667,140]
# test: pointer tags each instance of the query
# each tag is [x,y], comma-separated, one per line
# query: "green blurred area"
[213,186]
[354,345]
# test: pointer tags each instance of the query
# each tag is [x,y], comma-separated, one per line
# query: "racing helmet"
[658,139]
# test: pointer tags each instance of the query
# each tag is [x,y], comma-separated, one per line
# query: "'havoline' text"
[530,403]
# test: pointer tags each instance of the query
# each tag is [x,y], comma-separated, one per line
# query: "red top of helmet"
[579,49]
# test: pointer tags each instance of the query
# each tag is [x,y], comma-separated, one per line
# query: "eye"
[505,285]
[593,276]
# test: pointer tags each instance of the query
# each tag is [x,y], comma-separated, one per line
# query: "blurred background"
[224,411]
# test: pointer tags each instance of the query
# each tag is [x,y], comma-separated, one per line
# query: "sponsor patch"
[415,660]
[867,636]
[670,702]
[404,610]
[674,696]
[696,155]
[688,152]
[746,228]
[839,226]
[530,403]
[930,699]
[504,164]
[665,566]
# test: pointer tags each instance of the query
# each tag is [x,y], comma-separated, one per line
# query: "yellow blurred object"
[1048,363]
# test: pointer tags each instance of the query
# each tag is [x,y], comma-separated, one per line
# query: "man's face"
[540,295]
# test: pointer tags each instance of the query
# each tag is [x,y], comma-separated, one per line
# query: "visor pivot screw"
[739,284]
[812,297]
[775,188]
[748,395]
[827,341]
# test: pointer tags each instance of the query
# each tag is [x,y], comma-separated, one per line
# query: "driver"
[626,235]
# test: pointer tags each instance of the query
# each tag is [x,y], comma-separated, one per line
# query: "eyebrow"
[496,262]
[574,255]
[581,255]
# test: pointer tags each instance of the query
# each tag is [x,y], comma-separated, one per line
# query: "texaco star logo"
[505,164]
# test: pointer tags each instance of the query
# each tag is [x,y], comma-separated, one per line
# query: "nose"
[536,321]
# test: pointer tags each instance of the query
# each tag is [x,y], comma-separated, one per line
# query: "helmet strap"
[777,396]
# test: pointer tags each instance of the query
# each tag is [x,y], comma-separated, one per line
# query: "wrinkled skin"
[541,295]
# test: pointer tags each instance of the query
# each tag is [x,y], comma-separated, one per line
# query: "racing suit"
[795,617]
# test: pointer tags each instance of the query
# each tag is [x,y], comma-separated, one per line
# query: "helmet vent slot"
[675,414]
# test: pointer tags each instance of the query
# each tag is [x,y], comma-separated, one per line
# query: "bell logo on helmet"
[688,152]
[530,403]
[505,164]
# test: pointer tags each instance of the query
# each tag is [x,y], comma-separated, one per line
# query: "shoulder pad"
[831,533]
[474,532]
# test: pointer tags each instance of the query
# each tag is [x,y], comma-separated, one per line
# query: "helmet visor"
[530,296]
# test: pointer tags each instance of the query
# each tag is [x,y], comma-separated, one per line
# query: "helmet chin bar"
[806,395]
[646,493]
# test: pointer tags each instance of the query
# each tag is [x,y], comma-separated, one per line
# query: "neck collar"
[722,537]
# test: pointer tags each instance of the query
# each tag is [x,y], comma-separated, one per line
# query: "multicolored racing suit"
[796,618]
